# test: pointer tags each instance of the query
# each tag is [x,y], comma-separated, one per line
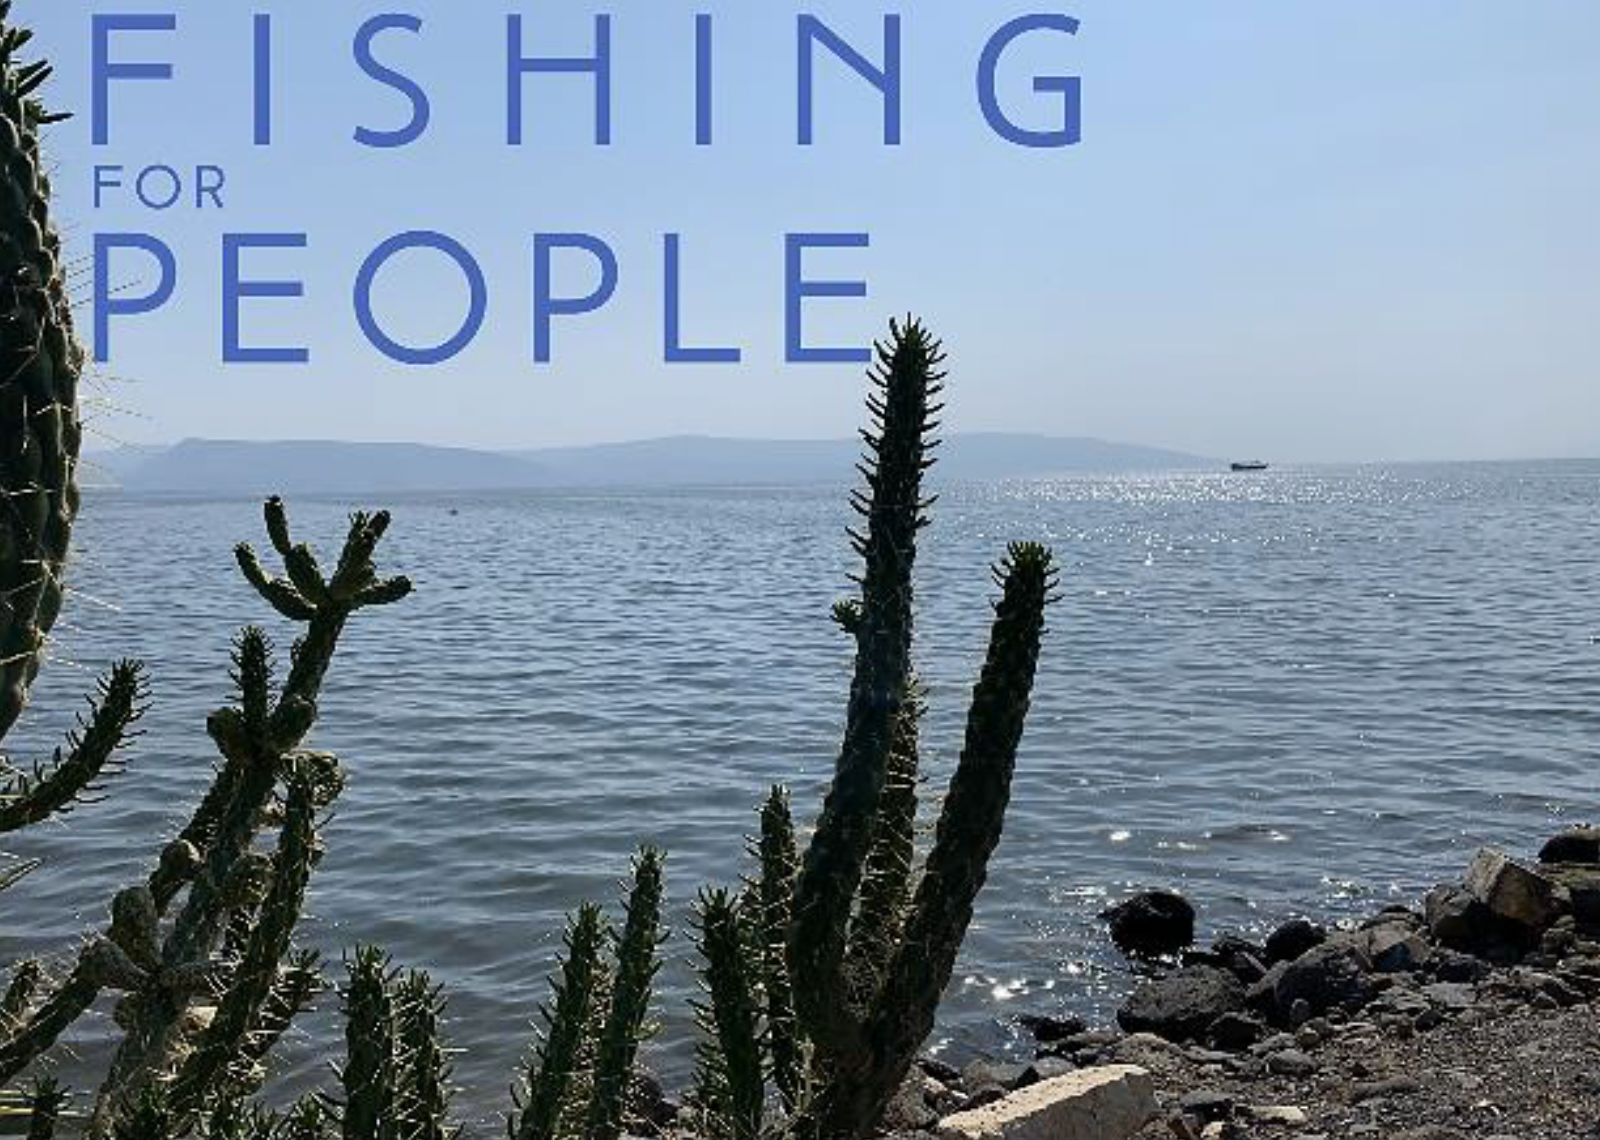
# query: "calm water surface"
[1309,691]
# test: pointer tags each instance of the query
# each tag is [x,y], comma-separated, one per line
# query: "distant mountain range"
[227,467]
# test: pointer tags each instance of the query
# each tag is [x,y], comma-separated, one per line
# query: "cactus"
[870,941]
[175,1063]
[729,1092]
[779,862]
[201,950]
[41,362]
[581,1072]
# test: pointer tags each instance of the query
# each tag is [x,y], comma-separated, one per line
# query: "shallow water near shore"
[1304,691]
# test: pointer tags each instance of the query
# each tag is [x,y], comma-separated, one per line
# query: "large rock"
[1335,975]
[1293,939]
[1511,891]
[1395,948]
[1455,918]
[1578,887]
[1152,924]
[1182,1005]
[1110,1103]
[1574,845]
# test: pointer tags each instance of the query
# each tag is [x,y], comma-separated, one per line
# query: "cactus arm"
[31,799]
[253,980]
[276,592]
[147,1120]
[41,363]
[969,829]
[729,1080]
[307,1120]
[907,380]
[292,994]
[424,1108]
[568,1014]
[886,878]
[775,895]
[24,984]
[65,1004]
[626,1023]
[45,1103]
[368,1075]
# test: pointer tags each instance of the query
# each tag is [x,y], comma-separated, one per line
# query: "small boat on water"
[1249,465]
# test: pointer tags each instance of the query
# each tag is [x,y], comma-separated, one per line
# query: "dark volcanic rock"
[1007,1075]
[1331,976]
[1048,1028]
[1182,1005]
[1235,1032]
[1152,924]
[1581,885]
[1575,845]
[1293,939]
[1240,957]
[1515,894]
[1458,920]
[1454,917]
[1396,949]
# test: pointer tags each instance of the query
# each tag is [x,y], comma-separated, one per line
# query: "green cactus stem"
[423,1101]
[368,1076]
[776,854]
[147,1119]
[730,1088]
[254,977]
[28,799]
[871,942]
[297,986]
[19,993]
[969,829]
[46,1104]
[907,380]
[627,1020]
[886,878]
[259,741]
[41,363]
[547,1095]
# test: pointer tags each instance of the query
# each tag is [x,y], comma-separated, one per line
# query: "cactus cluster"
[201,952]
[824,975]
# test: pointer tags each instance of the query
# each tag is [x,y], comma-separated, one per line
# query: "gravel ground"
[1500,1069]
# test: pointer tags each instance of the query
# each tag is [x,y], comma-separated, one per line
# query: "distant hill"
[688,460]
[231,467]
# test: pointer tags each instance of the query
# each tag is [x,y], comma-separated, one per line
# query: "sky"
[1312,231]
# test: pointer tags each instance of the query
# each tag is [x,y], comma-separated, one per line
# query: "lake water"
[1310,691]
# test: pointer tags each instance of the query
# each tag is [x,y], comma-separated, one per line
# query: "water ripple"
[1298,692]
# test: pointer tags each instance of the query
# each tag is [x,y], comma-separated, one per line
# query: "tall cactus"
[871,941]
[41,362]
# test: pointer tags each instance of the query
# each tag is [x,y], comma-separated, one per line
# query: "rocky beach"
[1473,1014]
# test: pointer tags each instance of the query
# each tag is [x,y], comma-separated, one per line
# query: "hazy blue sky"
[1308,230]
